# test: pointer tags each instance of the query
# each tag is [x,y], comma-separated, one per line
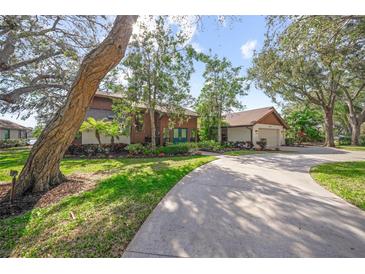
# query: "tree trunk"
[97,135]
[355,133]
[42,168]
[219,131]
[153,128]
[328,121]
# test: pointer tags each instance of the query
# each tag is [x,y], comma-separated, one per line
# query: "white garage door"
[271,135]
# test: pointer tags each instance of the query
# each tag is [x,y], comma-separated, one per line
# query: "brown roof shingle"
[250,117]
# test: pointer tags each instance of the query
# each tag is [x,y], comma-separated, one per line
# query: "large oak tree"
[42,168]
[308,59]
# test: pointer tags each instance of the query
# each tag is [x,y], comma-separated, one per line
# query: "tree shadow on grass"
[102,222]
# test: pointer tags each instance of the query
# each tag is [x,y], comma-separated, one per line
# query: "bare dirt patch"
[74,184]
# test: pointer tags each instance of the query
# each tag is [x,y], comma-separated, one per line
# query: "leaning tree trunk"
[153,128]
[42,168]
[328,121]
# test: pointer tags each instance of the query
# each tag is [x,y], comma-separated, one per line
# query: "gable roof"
[11,125]
[119,96]
[252,117]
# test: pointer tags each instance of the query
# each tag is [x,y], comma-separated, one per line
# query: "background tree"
[305,124]
[157,71]
[42,168]
[223,83]
[39,59]
[305,59]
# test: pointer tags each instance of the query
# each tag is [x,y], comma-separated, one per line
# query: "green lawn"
[106,218]
[11,159]
[352,148]
[346,180]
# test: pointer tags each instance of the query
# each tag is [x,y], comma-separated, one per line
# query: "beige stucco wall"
[256,134]
[88,137]
[238,134]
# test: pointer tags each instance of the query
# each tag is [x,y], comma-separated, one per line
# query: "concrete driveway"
[254,206]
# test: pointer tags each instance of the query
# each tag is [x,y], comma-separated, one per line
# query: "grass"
[352,148]
[11,159]
[106,217]
[346,180]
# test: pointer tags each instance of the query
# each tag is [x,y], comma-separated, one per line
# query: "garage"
[271,136]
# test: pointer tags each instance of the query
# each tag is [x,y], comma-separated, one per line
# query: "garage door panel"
[271,135]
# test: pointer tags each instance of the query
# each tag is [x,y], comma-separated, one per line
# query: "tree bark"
[219,131]
[42,168]
[355,132]
[153,128]
[328,121]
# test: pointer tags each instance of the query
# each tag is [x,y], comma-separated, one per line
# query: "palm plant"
[99,126]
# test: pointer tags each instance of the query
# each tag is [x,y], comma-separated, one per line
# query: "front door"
[180,135]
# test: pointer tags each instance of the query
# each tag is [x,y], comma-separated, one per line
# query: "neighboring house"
[11,130]
[254,125]
[101,108]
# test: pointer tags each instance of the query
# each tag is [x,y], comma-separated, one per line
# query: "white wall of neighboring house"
[238,134]
[88,137]
[273,133]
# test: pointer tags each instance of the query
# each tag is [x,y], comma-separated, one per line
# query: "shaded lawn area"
[15,159]
[346,180]
[352,148]
[100,222]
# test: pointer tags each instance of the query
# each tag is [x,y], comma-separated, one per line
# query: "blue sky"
[226,41]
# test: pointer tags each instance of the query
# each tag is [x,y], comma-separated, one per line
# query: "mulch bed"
[74,184]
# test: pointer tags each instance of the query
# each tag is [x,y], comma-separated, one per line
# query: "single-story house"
[254,125]
[11,130]
[101,108]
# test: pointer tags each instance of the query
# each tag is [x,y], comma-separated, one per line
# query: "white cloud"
[248,48]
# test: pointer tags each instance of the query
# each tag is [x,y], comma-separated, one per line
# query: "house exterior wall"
[14,134]
[101,108]
[256,133]
[88,137]
[238,134]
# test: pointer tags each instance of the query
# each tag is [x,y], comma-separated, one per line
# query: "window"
[19,134]
[6,133]
[176,133]
[184,133]
[138,122]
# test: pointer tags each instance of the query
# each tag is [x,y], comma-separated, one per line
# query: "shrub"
[362,141]
[135,149]
[262,143]
[289,141]
[176,149]
[94,149]
[344,140]
[210,145]
[12,143]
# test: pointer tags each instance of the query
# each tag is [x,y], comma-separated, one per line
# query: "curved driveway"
[254,206]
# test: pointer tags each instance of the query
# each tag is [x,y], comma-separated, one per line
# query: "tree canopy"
[157,71]
[223,84]
[310,59]
[39,59]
